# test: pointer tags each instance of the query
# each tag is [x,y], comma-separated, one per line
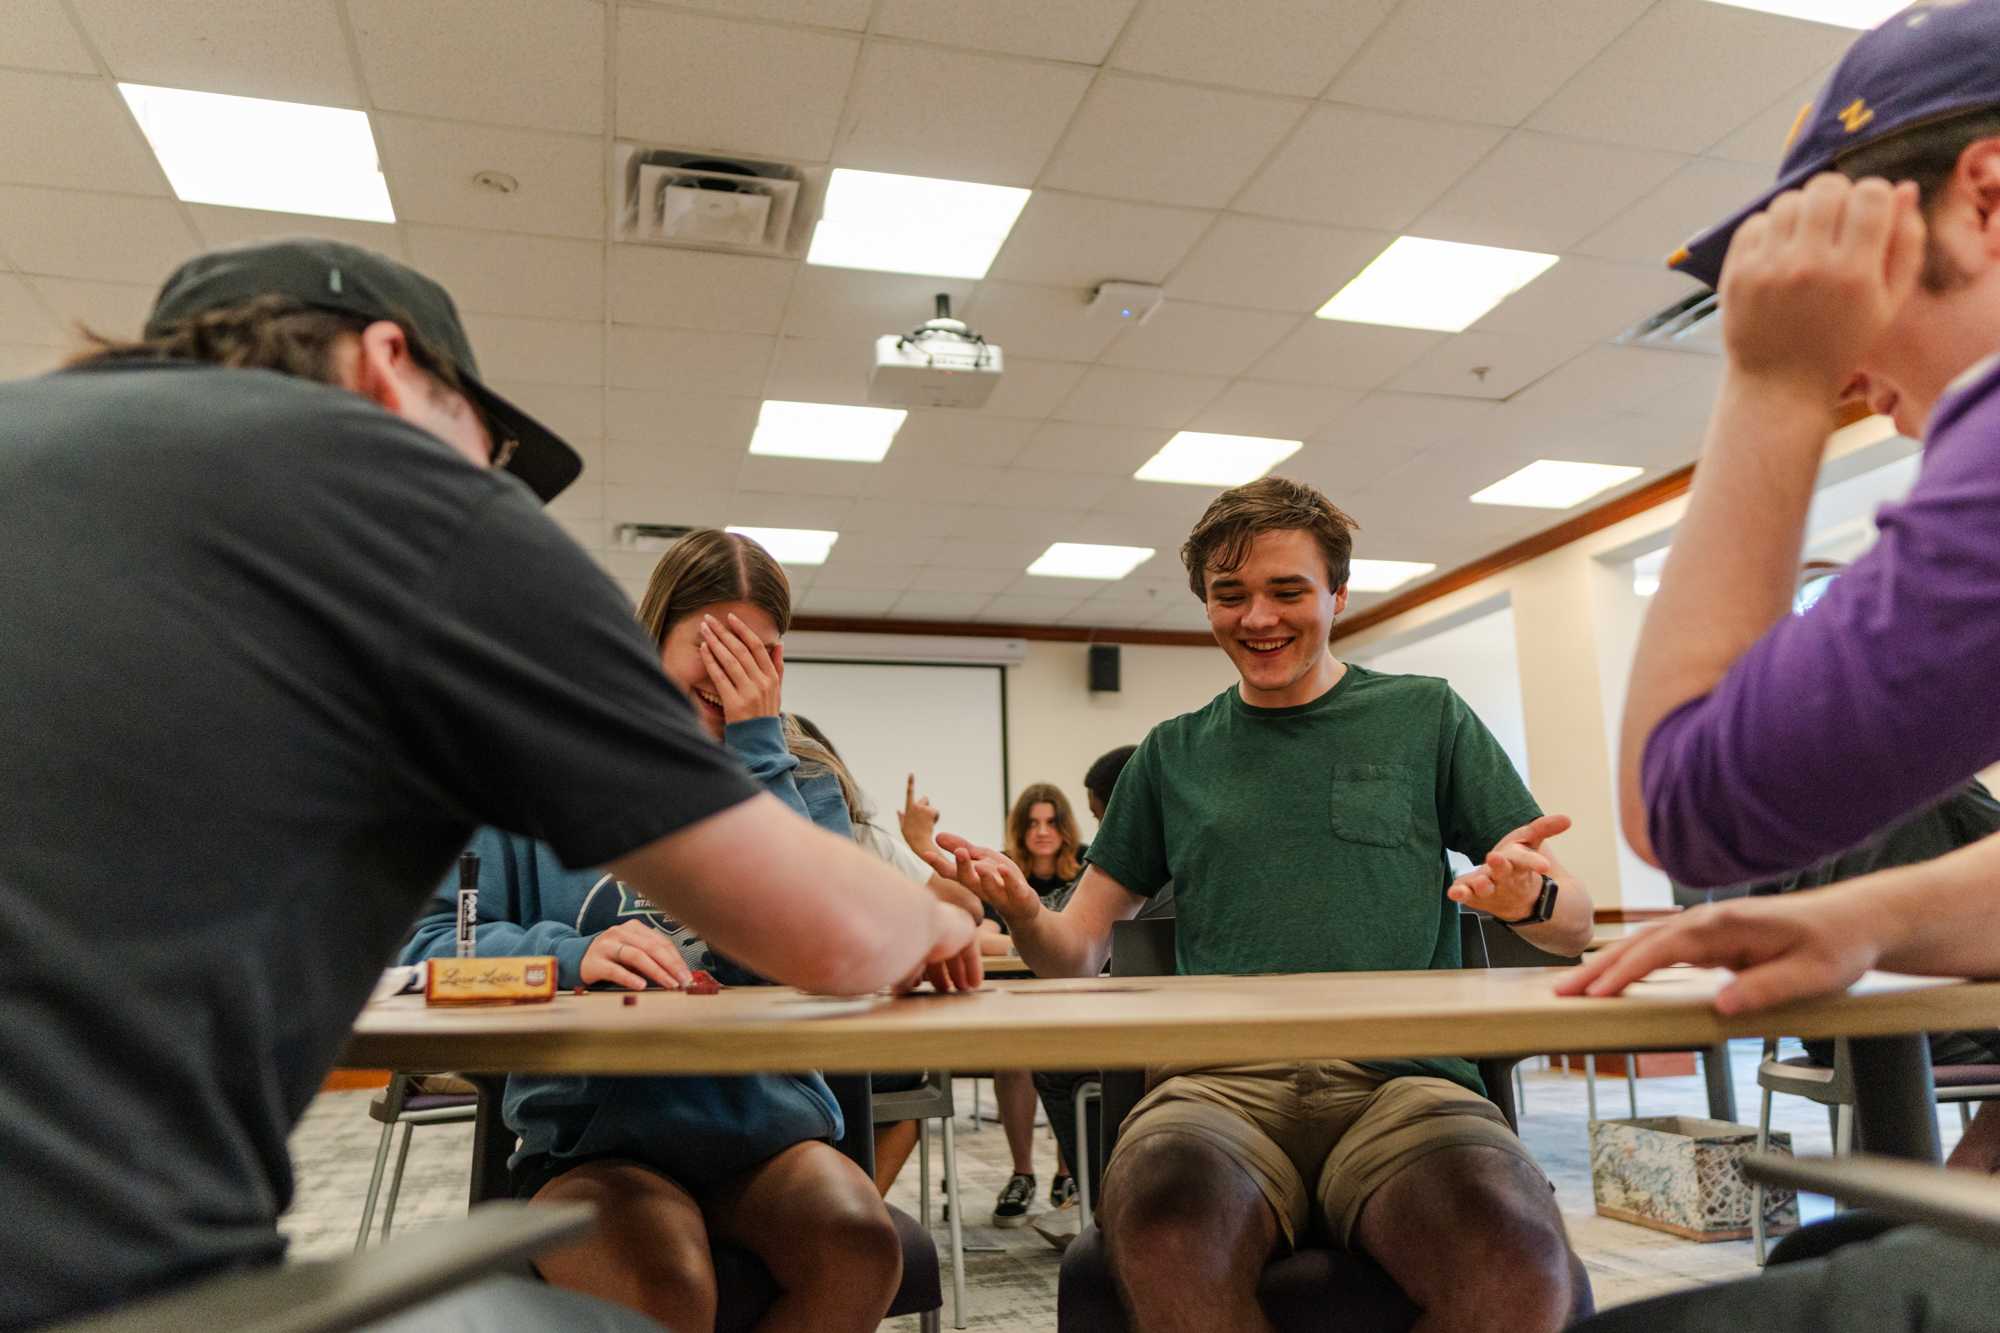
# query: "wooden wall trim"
[969,629]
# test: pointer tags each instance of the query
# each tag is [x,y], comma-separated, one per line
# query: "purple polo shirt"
[1881,698]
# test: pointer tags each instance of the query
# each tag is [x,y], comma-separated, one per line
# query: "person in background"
[292,509]
[674,1164]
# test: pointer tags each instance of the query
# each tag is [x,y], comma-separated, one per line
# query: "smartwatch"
[1544,908]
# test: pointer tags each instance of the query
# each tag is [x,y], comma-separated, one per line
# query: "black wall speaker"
[1104,668]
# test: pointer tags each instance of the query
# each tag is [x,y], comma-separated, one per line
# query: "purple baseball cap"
[1932,61]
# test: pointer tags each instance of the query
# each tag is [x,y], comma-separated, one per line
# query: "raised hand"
[633,954]
[989,874]
[1780,949]
[745,675]
[1509,881]
[919,820]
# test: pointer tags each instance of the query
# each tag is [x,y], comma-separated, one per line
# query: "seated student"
[1304,817]
[672,1162]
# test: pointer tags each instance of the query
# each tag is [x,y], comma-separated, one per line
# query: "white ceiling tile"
[1415,422]
[235,226]
[1539,192]
[589,533]
[73,133]
[1493,62]
[685,361]
[1035,527]
[1688,73]
[809,370]
[970,439]
[914,478]
[698,82]
[1617,379]
[1033,389]
[1077,30]
[1286,46]
[1055,492]
[900,520]
[1168,143]
[571,412]
[1248,261]
[1123,397]
[802,476]
[1342,468]
[535,63]
[118,237]
[963,580]
[114,309]
[788,511]
[1099,614]
[1487,365]
[501,273]
[632,569]
[549,351]
[1028,610]
[862,305]
[25,320]
[1162,532]
[1359,168]
[290,50]
[20,360]
[1040,321]
[1190,617]
[939,605]
[1699,194]
[1762,138]
[1592,298]
[1091,450]
[984,118]
[1280,411]
[850,14]
[665,461]
[824,601]
[861,575]
[865,547]
[1165,501]
[670,504]
[1013,556]
[692,290]
[1200,339]
[430,165]
[1072,240]
[581,499]
[1162,581]
[705,421]
[39,36]
[1343,356]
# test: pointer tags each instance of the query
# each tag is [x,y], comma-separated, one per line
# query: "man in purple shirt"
[1755,742]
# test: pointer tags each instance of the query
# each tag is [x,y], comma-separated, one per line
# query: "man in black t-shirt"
[274,645]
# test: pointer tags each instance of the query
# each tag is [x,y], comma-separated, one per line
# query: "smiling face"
[1272,615]
[680,656]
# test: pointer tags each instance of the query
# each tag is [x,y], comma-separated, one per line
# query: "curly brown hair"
[1221,538]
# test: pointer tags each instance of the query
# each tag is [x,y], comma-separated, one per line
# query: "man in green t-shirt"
[1304,817]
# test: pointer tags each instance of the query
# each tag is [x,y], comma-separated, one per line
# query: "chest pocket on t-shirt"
[1371,804]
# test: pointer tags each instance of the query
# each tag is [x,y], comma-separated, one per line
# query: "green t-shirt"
[1313,838]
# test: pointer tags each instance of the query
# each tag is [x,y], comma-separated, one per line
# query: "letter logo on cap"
[1855,115]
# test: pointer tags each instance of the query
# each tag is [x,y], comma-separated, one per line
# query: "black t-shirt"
[268,655]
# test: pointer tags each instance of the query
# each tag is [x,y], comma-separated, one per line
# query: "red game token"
[631,999]
[702,984]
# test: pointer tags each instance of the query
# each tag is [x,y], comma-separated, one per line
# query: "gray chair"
[1832,1086]
[932,1101]
[1302,1290]
[404,1102]
[351,1293]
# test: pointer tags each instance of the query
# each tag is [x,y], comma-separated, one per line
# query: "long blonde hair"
[1035,793]
[816,754]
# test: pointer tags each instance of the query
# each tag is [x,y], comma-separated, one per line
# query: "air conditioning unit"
[705,202]
[1692,324]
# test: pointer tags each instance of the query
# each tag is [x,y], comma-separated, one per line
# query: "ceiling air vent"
[1692,324]
[706,202]
[648,536]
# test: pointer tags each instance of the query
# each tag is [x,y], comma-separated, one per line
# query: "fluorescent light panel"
[250,152]
[1196,458]
[1549,484]
[913,224]
[1081,560]
[1840,13]
[792,546]
[1384,575]
[826,430]
[1442,285]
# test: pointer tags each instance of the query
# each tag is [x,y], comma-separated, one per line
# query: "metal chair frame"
[390,1108]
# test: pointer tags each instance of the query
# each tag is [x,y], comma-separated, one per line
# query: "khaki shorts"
[1319,1138]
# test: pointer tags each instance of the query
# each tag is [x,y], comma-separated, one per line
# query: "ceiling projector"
[941,363]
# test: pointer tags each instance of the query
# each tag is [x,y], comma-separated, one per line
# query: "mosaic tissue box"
[1682,1174]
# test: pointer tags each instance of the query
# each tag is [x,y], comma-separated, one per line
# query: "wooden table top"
[1122,1022]
[1006,965]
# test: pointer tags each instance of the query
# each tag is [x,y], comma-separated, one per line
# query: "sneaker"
[1011,1208]
[1062,1191]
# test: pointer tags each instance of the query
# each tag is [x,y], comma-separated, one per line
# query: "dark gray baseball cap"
[331,275]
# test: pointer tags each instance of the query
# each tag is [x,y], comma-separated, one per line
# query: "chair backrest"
[1143,947]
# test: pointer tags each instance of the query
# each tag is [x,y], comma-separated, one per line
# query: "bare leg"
[1979,1148]
[1187,1233]
[1014,1089]
[894,1143]
[1473,1236]
[820,1227]
[649,1252]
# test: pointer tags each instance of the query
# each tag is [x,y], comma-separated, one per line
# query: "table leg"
[1895,1107]
[1721,1087]
[492,1141]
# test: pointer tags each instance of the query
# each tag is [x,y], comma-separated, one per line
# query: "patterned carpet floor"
[1011,1275]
